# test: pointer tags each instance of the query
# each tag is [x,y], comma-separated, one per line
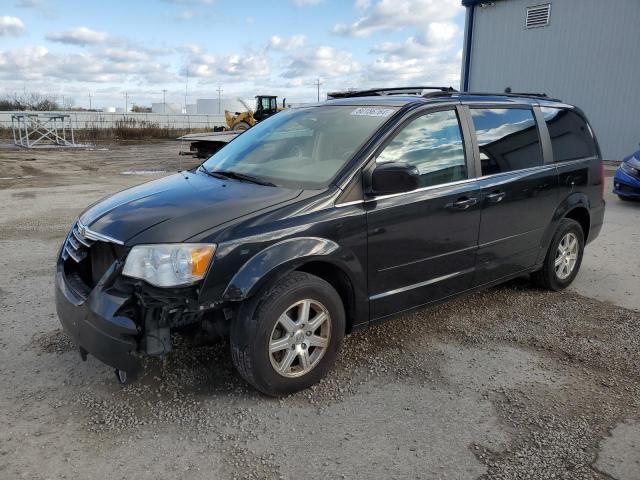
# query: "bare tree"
[29,101]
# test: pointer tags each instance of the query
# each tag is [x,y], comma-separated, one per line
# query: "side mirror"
[394,177]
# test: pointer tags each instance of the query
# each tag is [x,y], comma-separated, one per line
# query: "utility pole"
[317,85]
[186,89]
[62,102]
[164,100]
[219,92]
[126,101]
[89,101]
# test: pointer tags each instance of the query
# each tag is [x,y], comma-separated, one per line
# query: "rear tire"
[287,337]
[564,257]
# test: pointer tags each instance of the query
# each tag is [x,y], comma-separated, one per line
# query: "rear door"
[518,190]
[422,243]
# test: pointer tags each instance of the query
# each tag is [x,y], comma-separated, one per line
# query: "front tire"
[564,257]
[241,127]
[287,337]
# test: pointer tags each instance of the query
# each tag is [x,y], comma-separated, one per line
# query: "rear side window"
[571,137]
[433,143]
[508,139]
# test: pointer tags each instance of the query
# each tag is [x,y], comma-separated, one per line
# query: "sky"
[100,49]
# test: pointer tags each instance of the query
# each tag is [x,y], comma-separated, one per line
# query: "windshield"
[300,148]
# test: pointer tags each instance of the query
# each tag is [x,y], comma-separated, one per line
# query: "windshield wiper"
[210,173]
[238,176]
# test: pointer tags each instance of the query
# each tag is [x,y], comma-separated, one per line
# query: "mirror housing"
[394,177]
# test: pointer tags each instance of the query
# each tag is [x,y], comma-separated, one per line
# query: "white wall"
[107,120]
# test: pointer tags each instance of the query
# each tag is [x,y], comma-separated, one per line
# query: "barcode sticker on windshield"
[372,112]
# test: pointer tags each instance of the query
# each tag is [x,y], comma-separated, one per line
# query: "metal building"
[585,52]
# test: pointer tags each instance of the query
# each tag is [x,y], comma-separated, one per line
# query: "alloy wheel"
[300,338]
[566,255]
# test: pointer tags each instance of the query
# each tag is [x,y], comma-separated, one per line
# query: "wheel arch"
[581,215]
[317,256]
[335,276]
[575,207]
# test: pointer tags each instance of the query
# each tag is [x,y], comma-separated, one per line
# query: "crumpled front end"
[111,317]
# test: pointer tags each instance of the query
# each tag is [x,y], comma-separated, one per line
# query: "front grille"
[77,245]
[86,259]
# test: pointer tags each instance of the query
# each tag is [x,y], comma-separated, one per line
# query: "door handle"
[496,197]
[463,203]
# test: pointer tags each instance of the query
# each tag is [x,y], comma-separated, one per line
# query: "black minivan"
[328,218]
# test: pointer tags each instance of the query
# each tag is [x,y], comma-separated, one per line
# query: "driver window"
[433,143]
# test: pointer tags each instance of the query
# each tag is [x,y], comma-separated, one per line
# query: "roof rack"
[523,94]
[435,91]
[512,94]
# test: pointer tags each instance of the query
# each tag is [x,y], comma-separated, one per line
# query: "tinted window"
[508,139]
[433,143]
[570,135]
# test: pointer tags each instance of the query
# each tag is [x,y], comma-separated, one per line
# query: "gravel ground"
[511,383]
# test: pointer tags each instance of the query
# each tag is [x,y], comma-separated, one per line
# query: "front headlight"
[629,169]
[169,265]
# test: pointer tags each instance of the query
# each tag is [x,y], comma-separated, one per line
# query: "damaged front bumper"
[118,320]
[94,323]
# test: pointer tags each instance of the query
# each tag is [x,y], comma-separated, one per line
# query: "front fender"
[280,257]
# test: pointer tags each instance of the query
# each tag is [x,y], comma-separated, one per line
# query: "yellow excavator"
[203,145]
[266,106]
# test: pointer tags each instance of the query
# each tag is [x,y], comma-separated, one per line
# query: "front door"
[422,243]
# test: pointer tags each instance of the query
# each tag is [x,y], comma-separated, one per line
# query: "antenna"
[317,84]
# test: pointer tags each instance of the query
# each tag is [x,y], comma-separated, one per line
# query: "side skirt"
[469,291]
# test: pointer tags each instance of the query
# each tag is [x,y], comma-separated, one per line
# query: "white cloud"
[287,43]
[441,32]
[79,36]
[388,15]
[125,55]
[38,64]
[432,58]
[11,26]
[205,65]
[326,61]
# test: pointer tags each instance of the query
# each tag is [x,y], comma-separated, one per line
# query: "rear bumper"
[94,324]
[626,185]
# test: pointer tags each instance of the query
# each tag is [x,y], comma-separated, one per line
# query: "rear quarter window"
[571,137]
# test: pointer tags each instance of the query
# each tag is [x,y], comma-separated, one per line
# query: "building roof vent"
[538,16]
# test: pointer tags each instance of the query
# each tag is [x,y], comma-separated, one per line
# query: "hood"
[177,207]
